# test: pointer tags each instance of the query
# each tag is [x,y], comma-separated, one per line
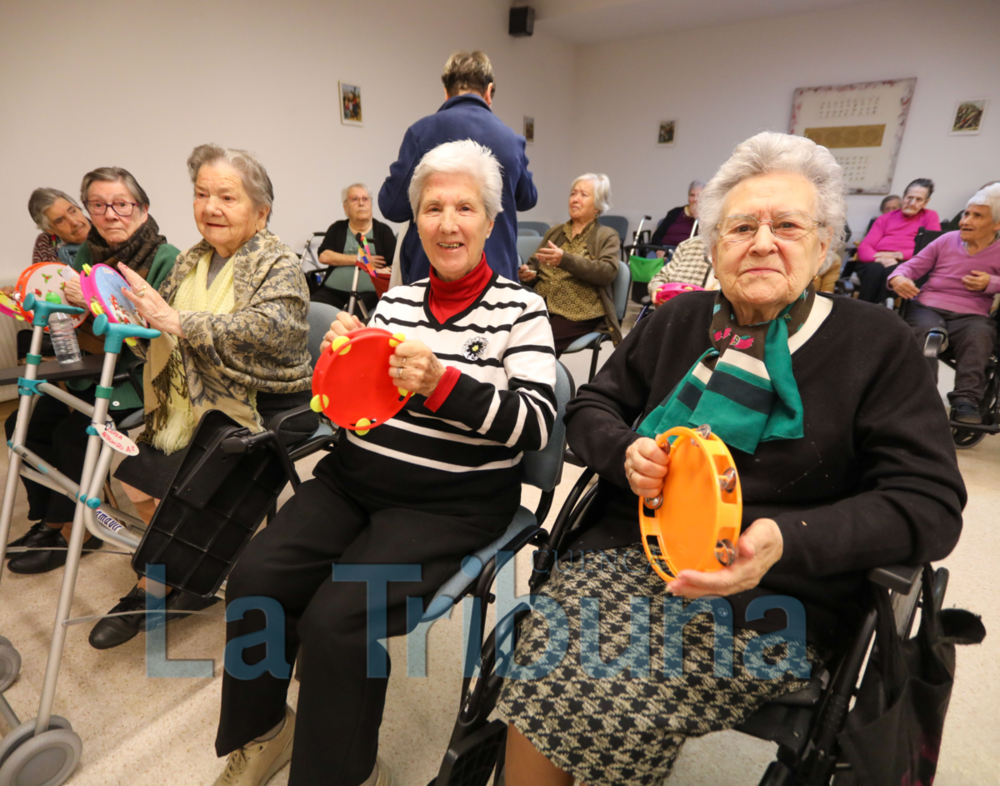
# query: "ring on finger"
[142,290]
[399,372]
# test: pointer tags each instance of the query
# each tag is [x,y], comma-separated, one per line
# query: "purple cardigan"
[895,232]
[948,262]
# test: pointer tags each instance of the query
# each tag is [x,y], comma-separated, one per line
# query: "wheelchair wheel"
[10,664]
[966,438]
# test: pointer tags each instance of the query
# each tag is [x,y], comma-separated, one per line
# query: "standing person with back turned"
[466,114]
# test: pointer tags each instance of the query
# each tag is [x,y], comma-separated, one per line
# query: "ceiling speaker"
[522,21]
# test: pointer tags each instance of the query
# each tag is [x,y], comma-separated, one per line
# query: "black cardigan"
[873,482]
[336,237]
[665,224]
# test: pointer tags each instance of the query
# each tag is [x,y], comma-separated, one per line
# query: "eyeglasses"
[122,208]
[355,200]
[787,226]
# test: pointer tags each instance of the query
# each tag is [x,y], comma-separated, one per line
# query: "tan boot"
[256,763]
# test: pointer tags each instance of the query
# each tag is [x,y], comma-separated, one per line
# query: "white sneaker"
[255,764]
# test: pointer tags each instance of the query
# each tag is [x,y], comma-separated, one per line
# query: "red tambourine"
[102,290]
[695,523]
[672,290]
[351,384]
[46,281]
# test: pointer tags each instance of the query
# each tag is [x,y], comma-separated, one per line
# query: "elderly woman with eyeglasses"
[123,231]
[232,317]
[575,264]
[845,461]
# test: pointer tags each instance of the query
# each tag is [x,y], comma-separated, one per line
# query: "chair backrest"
[538,226]
[526,246]
[320,317]
[617,223]
[924,238]
[620,289]
[543,468]
[522,230]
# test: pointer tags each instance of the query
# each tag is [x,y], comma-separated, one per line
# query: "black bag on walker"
[893,734]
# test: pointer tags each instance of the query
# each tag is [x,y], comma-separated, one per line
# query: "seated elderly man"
[340,250]
[689,265]
[963,270]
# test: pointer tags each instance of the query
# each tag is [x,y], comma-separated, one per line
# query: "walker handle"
[117,333]
[42,309]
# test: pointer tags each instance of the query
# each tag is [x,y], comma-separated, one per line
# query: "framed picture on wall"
[968,118]
[861,124]
[529,129]
[350,104]
[665,136]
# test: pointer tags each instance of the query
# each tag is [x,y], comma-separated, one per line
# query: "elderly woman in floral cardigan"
[233,318]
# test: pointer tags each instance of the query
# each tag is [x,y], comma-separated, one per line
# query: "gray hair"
[463,157]
[255,180]
[42,199]
[770,152]
[695,184]
[988,197]
[602,190]
[114,174]
[346,191]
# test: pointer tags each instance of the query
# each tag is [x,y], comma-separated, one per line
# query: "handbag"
[893,735]
[644,269]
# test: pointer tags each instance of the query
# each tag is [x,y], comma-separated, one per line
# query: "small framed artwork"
[529,129]
[968,119]
[350,104]
[665,136]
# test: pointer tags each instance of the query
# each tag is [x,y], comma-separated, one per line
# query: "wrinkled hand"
[147,301]
[74,292]
[377,261]
[646,465]
[341,326]
[414,367]
[903,287]
[888,258]
[976,281]
[9,291]
[551,256]
[757,551]
[526,274]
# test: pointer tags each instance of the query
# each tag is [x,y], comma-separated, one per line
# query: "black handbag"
[893,735]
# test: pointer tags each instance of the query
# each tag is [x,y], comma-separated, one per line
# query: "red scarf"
[448,298]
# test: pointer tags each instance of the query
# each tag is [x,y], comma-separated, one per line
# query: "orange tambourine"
[46,281]
[695,523]
[351,384]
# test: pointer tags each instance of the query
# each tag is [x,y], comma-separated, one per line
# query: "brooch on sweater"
[474,348]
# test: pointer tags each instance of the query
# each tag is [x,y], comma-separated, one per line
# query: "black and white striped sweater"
[468,452]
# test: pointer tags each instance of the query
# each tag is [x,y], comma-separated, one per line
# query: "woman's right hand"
[904,287]
[526,274]
[74,292]
[646,465]
[341,326]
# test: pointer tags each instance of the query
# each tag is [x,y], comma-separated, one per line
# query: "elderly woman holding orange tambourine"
[845,462]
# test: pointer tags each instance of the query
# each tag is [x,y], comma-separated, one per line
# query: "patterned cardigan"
[260,345]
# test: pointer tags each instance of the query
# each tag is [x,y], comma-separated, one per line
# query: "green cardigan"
[124,395]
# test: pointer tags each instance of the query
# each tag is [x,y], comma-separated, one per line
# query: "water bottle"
[63,336]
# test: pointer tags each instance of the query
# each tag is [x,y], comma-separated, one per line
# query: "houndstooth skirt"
[623,722]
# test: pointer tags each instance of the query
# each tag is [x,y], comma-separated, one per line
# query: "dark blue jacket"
[462,117]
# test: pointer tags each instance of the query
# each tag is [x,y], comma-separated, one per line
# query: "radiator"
[8,353]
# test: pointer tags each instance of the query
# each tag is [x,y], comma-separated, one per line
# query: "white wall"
[259,74]
[724,84]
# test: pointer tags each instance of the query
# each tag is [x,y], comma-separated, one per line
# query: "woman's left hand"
[976,281]
[414,367]
[550,256]
[757,551]
[147,301]
[74,292]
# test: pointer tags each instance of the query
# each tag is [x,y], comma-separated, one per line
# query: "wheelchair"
[805,724]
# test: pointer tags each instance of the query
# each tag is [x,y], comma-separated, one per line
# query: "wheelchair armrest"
[898,578]
[571,458]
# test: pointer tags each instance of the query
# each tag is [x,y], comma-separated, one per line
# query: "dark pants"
[970,336]
[566,331]
[58,435]
[873,276]
[340,707]
[340,299]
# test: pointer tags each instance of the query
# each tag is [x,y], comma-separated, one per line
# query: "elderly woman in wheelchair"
[232,316]
[845,462]
[963,276]
[407,500]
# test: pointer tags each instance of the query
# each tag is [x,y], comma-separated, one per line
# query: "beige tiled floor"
[139,731]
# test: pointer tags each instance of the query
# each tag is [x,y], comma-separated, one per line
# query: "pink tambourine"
[669,291]
[102,291]
[47,281]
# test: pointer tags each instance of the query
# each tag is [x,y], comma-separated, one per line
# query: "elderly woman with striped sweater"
[428,487]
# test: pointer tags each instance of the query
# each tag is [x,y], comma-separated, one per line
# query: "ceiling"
[601,21]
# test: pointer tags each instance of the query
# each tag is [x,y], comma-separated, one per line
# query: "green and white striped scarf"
[743,386]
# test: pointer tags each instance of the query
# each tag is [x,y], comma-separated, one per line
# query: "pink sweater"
[948,262]
[893,231]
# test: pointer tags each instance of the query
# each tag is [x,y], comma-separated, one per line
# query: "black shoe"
[51,553]
[178,602]
[29,538]
[112,631]
[965,412]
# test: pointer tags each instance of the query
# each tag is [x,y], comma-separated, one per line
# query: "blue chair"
[540,227]
[619,293]
[526,246]
[619,224]
[522,231]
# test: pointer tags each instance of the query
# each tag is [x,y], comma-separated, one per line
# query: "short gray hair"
[988,197]
[602,190]
[463,157]
[695,184]
[42,199]
[770,152]
[114,174]
[346,191]
[255,180]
